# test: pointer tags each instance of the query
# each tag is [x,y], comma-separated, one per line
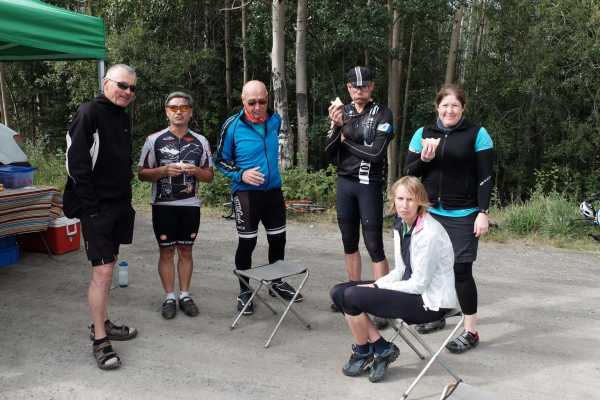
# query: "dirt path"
[539,306]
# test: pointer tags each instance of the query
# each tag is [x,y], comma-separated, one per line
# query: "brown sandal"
[115,332]
[105,356]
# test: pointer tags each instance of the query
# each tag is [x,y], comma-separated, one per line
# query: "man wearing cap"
[98,192]
[175,159]
[248,155]
[357,142]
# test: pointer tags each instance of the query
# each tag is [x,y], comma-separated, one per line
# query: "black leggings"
[385,303]
[466,290]
[356,205]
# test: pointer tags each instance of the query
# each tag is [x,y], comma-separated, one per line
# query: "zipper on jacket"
[264,138]
[442,153]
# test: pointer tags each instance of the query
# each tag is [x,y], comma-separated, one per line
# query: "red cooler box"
[63,235]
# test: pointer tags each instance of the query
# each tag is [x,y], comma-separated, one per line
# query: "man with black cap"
[357,143]
[175,160]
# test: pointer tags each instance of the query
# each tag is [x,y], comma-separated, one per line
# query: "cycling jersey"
[362,155]
[164,147]
[460,175]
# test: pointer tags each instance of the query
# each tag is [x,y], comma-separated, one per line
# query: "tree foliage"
[530,69]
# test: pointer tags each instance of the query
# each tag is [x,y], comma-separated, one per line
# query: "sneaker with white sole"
[242,299]
[285,290]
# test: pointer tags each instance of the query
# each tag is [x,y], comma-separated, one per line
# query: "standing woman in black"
[454,159]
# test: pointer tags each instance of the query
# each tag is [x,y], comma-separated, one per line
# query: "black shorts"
[356,202]
[460,231]
[106,230]
[175,225]
[253,206]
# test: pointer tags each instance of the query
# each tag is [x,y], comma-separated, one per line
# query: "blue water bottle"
[123,274]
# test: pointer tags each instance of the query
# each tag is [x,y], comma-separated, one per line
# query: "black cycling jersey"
[362,155]
[164,148]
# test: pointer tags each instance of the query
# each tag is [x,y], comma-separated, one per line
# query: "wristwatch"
[482,211]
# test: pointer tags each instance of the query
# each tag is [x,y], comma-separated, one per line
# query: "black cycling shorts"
[104,231]
[175,225]
[254,206]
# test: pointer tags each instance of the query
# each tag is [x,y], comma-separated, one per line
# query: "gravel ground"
[539,313]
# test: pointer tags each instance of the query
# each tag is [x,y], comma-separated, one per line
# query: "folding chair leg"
[410,344]
[246,305]
[434,359]
[289,308]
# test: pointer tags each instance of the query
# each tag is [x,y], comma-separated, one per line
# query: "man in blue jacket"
[248,154]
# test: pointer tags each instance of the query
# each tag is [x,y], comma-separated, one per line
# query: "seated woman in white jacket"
[419,289]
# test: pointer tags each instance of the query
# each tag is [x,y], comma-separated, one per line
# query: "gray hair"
[117,67]
[183,95]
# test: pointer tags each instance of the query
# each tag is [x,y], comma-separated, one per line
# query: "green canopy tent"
[33,30]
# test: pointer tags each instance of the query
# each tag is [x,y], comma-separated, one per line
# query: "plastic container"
[9,255]
[12,176]
[123,274]
[8,241]
[63,235]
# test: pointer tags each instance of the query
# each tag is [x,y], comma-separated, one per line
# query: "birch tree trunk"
[2,95]
[227,57]
[394,92]
[244,44]
[406,89]
[280,101]
[301,85]
[454,41]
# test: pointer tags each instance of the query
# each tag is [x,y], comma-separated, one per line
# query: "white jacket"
[432,262]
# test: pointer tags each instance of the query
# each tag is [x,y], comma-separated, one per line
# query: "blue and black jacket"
[242,146]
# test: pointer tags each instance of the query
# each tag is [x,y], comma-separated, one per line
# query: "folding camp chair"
[265,275]
[457,389]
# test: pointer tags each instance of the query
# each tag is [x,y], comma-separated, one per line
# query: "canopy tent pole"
[100,74]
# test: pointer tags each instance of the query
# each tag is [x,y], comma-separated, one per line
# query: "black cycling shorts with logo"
[104,231]
[253,206]
[175,225]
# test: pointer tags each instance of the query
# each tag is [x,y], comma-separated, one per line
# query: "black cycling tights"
[385,303]
[465,287]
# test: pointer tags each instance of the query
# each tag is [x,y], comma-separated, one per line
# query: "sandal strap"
[103,352]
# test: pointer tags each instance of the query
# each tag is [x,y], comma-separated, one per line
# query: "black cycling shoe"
[188,306]
[242,299]
[463,342]
[358,362]
[381,362]
[380,323]
[169,309]
[429,327]
[285,290]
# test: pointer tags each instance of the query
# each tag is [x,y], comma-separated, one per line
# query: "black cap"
[359,76]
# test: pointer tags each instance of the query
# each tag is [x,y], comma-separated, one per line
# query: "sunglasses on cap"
[182,108]
[123,85]
[252,102]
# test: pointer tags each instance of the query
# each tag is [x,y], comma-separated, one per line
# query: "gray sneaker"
[381,362]
[358,362]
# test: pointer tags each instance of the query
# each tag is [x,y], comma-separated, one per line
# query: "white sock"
[171,296]
[184,294]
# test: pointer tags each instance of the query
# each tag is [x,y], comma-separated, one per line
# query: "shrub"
[318,186]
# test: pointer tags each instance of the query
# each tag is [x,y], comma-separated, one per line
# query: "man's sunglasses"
[252,102]
[123,85]
[182,108]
